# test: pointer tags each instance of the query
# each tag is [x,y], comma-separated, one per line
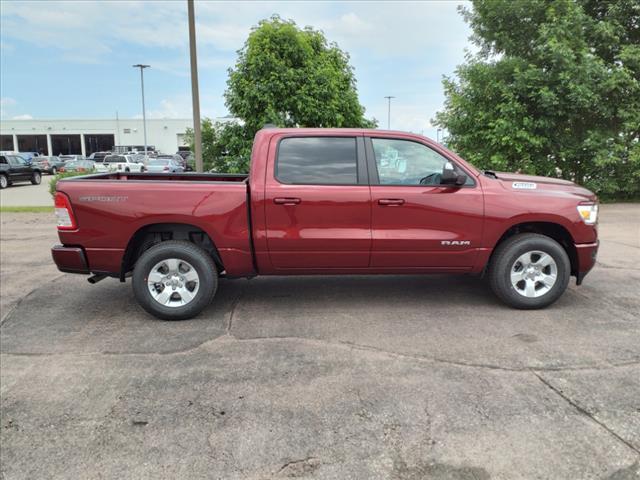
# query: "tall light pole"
[144,113]
[195,93]
[389,97]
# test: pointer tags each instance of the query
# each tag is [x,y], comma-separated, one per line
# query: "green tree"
[288,77]
[554,90]
[223,146]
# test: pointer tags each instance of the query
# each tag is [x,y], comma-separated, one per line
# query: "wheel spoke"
[545,260]
[523,259]
[185,295]
[529,288]
[155,277]
[164,297]
[191,275]
[547,280]
[517,277]
[172,264]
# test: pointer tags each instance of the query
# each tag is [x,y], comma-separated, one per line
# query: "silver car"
[164,165]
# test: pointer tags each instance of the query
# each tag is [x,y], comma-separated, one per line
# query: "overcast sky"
[73,59]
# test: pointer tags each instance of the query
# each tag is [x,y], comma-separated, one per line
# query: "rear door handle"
[391,202]
[286,201]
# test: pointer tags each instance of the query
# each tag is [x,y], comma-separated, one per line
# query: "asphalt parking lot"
[24,194]
[365,377]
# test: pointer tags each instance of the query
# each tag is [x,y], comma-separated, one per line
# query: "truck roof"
[318,130]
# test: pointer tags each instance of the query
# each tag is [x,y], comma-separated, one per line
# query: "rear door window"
[317,161]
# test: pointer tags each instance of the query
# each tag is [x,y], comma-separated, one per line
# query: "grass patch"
[26,209]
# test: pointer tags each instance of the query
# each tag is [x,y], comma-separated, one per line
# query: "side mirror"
[450,177]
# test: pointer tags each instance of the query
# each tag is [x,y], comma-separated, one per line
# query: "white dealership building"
[79,136]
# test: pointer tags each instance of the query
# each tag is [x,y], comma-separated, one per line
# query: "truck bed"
[111,208]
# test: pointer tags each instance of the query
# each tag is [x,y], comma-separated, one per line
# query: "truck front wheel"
[175,280]
[529,271]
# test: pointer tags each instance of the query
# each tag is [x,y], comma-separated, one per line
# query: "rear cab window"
[317,160]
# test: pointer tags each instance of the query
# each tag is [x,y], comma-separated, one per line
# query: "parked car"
[175,157]
[72,158]
[124,163]
[189,159]
[49,164]
[84,166]
[328,201]
[14,168]
[98,156]
[166,165]
[28,156]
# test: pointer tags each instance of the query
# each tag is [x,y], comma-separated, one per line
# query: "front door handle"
[391,202]
[286,201]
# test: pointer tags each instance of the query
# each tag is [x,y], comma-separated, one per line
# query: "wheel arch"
[152,234]
[553,230]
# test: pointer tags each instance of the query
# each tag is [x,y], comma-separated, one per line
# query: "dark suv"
[14,168]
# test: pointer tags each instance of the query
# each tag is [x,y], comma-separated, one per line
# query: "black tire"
[503,261]
[189,252]
[54,170]
[4,182]
[36,178]
[127,170]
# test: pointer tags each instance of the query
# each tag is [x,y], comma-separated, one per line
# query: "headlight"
[588,213]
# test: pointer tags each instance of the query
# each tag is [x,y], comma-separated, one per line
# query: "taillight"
[64,213]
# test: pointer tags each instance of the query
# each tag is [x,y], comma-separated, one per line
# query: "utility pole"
[389,97]
[195,94]
[144,113]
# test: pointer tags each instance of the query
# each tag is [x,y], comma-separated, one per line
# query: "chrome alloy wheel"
[533,274]
[173,282]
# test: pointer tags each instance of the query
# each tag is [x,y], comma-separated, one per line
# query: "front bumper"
[70,259]
[587,253]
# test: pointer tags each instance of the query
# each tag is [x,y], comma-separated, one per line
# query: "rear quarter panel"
[109,213]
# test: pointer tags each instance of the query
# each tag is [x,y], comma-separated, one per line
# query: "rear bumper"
[587,253]
[70,259]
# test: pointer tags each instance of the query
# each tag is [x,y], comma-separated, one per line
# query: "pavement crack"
[228,337]
[584,412]
[298,468]
[234,306]
[424,358]
[12,308]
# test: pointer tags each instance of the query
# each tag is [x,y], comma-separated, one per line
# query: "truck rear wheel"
[175,280]
[529,271]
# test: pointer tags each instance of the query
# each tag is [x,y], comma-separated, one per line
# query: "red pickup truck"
[327,201]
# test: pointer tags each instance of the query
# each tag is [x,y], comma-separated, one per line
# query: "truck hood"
[531,183]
